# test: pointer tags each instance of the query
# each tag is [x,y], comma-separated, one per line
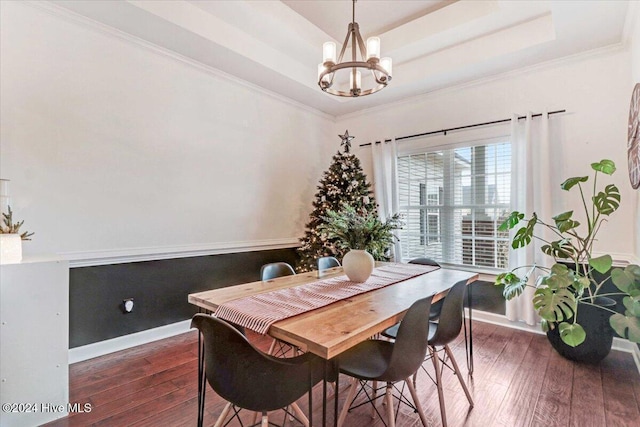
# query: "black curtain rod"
[444,131]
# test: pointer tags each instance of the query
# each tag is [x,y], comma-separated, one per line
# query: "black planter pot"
[595,322]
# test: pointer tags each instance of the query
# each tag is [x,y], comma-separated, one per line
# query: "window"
[453,201]
[429,221]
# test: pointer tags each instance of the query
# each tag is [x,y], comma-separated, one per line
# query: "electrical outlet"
[127,305]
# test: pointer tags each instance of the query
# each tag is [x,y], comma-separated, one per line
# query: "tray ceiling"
[434,44]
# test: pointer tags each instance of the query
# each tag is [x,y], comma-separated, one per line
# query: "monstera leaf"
[632,304]
[627,280]
[559,278]
[607,201]
[564,222]
[601,264]
[512,220]
[626,326]
[513,285]
[559,249]
[569,183]
[525,234]
[554,306]
[605,166]
[572,334]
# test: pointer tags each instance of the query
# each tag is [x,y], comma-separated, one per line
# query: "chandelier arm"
[349,95]
[363,49]
[356,64]
[354,35]
[344,45]
[383,72]
[375,76]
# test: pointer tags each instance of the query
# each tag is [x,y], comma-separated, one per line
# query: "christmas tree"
[344,182]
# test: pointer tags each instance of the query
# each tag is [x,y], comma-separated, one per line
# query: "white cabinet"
[34,341]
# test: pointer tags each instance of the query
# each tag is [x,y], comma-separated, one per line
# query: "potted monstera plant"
[363,235]
[578,316]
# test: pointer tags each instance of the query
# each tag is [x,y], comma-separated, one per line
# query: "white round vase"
[358,265]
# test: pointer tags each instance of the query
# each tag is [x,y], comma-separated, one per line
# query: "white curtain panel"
[385,182]
[530,192]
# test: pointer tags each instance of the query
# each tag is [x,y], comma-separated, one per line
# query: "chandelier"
[369,60]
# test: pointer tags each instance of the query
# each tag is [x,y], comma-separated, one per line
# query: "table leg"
[201,376]
[468,343]
[200,380]
[330,366]
[335,368]
[327,366]
[310,398]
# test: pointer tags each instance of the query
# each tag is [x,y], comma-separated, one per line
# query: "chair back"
[450,321]
[410,346]
[436,307]
[276,269]
[424,261]
[326,262]
[247,377]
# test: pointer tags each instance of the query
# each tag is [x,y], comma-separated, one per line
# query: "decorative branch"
[9,227]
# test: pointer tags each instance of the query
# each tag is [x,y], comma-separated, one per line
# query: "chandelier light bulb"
[329,53]
[373,48]
[355,86]
[387,65]
[321,69]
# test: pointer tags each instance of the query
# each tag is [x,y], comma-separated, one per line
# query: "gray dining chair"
[270,271]
[436,307]
[434,313]
[441,333]
[327,262]
[246,377]
[276,269]
[389,362]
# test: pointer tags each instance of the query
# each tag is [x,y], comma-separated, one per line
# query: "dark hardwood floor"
[518,381]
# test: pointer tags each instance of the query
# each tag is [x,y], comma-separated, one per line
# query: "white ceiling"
[434,44]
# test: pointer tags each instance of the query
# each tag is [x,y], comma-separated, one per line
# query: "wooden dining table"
[337,327]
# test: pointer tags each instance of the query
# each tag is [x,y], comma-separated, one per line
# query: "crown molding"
[121,256]
[553,63]
[93,25]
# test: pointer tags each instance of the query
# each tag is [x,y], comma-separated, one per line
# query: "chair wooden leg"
[301,415]
[265,420]
[373,400]
[389,399]
[416,401]
[223,415]
[272,347]
[458,374]
[436,366]
[348,401]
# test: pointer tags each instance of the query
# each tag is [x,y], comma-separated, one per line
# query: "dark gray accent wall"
[159,290]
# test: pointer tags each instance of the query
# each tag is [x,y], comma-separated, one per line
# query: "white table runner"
[259,312]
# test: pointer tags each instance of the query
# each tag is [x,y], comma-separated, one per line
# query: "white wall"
[111,145]
[593,88]
[634,47]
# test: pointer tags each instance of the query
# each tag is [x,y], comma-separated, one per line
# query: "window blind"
[453,201]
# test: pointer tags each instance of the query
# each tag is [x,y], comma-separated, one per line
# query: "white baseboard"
[101,348]
[500,320]
[636,357]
